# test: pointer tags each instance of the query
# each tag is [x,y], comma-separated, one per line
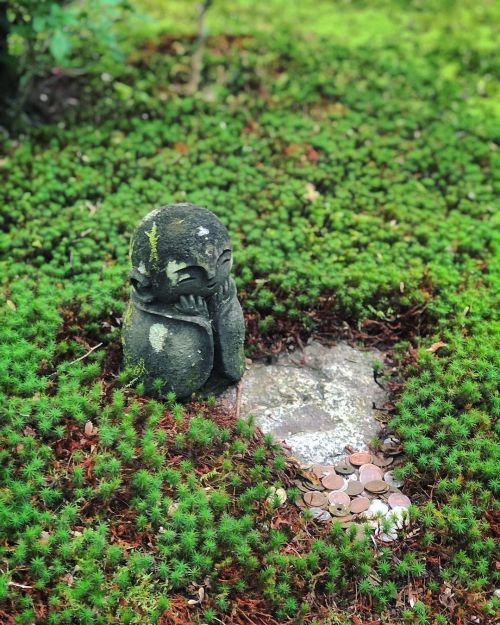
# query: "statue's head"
[179,249]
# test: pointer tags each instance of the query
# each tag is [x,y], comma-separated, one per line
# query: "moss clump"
[153,245]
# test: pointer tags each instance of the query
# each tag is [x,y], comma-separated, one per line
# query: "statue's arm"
[229,331]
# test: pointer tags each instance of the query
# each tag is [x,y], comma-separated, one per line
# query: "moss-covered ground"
[351,149]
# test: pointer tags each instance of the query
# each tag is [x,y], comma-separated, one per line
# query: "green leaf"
[59,46]
[38,23]
[123,91]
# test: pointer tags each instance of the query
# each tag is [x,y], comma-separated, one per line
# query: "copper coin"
[333,481]
[338,510]
[315,499]
[398,500]
[344,468]
[346,524]
[348,518]
[311,486]
[301,486]
[320,470]
[360,504]
[392,449]
[339,497]
[377,486]
[359,458]
[382,461]
[354,488]
[320,515]
[369,472]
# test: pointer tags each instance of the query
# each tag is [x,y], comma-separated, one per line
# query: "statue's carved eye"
[186,279]
[225,257]
[190,274]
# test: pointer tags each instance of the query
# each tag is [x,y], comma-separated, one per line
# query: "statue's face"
[181,250]
[192,277]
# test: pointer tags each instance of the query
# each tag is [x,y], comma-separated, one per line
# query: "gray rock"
[316,401]
[184,322]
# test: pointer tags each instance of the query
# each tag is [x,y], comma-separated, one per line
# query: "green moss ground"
[351,149]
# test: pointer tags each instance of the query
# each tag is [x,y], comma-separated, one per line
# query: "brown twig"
[78,359]
[239,394]
[23,586]
[197,58]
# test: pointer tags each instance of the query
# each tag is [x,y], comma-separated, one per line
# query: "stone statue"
[184,323]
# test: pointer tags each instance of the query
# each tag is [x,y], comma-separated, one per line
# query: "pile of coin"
[360,489]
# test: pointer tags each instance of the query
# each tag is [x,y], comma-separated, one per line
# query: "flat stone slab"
[316,400]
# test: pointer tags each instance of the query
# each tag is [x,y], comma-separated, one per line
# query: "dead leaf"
[172,508]
[91,207]
[11,305]
[412,596]
[89,428]
[435,346]
[446,599]
[311,194]
[44,537]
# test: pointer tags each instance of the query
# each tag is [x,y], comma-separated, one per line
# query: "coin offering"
[398,516]
[345,524]
[315,499]
[382,461]
[320,515]
[358,489]
[320,470]
[344,468]
[377,507]
[360,504]
[398,500]
[333,481]
[339,510]
[369,472]
[361,531]
[359,458]
[391,480]
[301,486]
[392,449]
[377,486]
[339,497]
[348,518]
[386,537]
[354,488]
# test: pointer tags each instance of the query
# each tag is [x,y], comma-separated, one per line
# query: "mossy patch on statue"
[184,320]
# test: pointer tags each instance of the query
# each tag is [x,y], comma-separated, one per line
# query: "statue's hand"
[223,296]
[193,305]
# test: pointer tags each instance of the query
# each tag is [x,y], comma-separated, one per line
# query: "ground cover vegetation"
[357,177]
[40,42]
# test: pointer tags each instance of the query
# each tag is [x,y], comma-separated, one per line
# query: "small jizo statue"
[184,322]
